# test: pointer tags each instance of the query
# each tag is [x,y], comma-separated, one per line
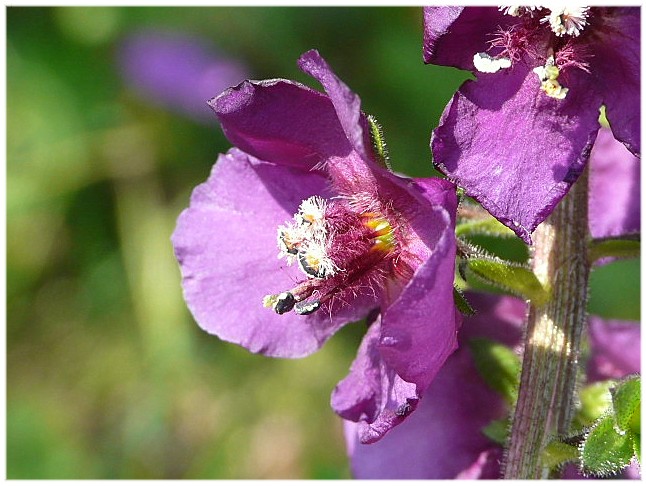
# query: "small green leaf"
[557,453]
[497,431]
[637,447]
[378,142]
[613,247]
[513,277]
[606,451]
[461,303]
[626,401]
[595,400]
[497,365]
[487,226]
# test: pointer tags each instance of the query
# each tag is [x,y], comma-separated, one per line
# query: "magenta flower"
[615,195]
[177,71]
[444,439]
[520,135]
[351,238]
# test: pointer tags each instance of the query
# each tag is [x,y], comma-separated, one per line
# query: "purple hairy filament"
[341,249]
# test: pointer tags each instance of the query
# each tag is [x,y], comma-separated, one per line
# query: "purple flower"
[519,136]
[177,71]
[614,196]
[444,439]
[351,238]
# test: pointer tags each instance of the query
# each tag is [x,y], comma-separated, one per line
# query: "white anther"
[517,10]
[485,63]
[567,20]
[311,211]
[314,260]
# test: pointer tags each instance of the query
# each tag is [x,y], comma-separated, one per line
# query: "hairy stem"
[548,378]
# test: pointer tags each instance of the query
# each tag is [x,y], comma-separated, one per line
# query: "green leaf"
[461,303]
[606,451]
[637,447]
[513,277]
[487,226]
[613,247]
[497,431]
[626,401]
[557,453]
[497,365]
[378,142]
[595,399]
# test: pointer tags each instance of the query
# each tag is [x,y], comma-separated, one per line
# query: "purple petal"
[442,439]
[281,121]
[346,103]
[424,313]
[514,149]
[226,245]
[614,349]
[614,198]
[372,394]
[616,64]
[177,71]
[453,35]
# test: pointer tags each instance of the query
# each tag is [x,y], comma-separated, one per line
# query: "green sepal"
[379,142]
[594,400]
[627,247]
[488,226]
[498,366]
[513,277]
[462,303]
[557,453]
[605,450]
[497,431]
[626,401]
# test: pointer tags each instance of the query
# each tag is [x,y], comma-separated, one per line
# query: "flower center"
[337,247]
[527,37]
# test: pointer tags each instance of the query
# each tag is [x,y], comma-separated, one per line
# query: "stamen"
[485,63]
[312,212]
[290,238]
[281,303]
[548,76]
[382,232]
[314,261]
[567,20]
[306,308]
[517,10]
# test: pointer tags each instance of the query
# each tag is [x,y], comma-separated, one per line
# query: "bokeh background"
[107,133]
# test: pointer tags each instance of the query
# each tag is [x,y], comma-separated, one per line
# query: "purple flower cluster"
[299,231]
[520,135]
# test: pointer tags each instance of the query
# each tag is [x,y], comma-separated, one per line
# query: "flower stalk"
[548,377]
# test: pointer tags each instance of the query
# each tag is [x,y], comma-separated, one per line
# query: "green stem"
[548,377]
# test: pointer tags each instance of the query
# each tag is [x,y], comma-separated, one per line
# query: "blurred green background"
[107,374]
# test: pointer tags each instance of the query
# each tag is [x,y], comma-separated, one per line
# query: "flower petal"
[281,121]
[442,439]
[616,65]
[615,195]
[226,245]
[372,394]
[453,35]
[424,312]
[514,149]
[346,103]
[614,348]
